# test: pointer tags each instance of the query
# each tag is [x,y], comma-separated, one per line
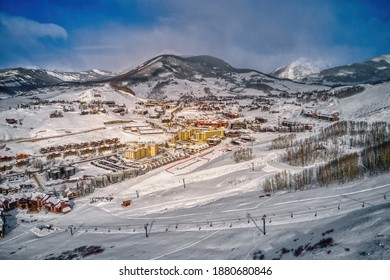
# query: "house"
[4,189]
[56,205]
[70,194]
[22,201]
[214,140]
[7,203]
[36,202]
[50,204]
[238,125]
[62,207]
[4,203]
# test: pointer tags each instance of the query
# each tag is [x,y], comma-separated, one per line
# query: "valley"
[171,160]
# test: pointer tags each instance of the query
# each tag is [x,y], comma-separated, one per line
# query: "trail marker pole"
[146,230]
[264,223]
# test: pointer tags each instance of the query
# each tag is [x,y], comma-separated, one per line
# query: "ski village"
[191,158]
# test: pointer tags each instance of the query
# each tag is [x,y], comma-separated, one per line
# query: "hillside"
[299,69]
[170,76]
[218,212]
[372,71]
[19,80]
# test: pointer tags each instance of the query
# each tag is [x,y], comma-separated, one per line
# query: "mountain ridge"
[19,80]
[169,75]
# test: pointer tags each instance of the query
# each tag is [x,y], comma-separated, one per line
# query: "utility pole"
[264,216]
[253,166]
[184,183]
[248,215]
[146,230]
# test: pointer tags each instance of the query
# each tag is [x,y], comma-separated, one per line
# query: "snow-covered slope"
[372,71]
[16,80]
[371,104]
[299,69]
[382,57]
[170,76]
[208,219]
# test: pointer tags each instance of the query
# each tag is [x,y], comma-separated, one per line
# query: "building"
[206,134]
[61,172]
[211,123]
[184,134]
[236,125]
[1,223]
[197,148]
[35,202]
[200,134]
[332,118]
[139,151]
[56,205]
[214,140]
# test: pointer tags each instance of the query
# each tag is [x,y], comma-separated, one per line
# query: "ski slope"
[208,219]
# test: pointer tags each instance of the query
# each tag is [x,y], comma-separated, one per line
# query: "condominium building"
[138,151]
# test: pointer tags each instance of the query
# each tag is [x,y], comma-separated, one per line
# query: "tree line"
[333,141]
[371,161]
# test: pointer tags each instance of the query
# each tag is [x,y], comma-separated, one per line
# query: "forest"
[340,153]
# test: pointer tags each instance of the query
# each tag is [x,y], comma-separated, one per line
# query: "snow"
[301,68]
[382,57]
[372,104]
[206,219]
[63,76]
[97,71]
[212,214]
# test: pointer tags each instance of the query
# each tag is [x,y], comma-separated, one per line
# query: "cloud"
[247,34]
[258,34]
[20,27]
[27,42]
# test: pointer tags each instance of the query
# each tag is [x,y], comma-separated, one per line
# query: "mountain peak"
[299,69]
[385,57]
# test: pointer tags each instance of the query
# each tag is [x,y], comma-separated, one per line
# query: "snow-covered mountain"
[170,76]
[16,80]
[375,70]
[385,58]
[299,69]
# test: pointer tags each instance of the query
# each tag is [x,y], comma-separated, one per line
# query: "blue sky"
[120,34]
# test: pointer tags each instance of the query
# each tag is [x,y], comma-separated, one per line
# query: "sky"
[118,35]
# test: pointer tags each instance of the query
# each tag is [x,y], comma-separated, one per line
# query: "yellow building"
[184,134]
[139,151]
[200,134]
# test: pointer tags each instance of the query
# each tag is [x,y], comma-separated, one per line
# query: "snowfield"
[203,207]
[208,219]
